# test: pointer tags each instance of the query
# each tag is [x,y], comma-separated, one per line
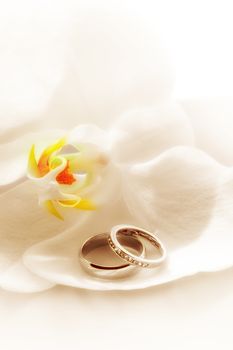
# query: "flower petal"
[48,204]
[198,236]
[68,75]
[212,121]
[90,134]
[133,71]
[176,191]
[14,155]
[43,162]
[24,223]
[32,163]
[19,279]
[142,134]
[31,73]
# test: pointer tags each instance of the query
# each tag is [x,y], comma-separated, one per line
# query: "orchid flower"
[110,147]
[63,173]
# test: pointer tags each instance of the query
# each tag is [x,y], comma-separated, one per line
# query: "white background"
[195,313]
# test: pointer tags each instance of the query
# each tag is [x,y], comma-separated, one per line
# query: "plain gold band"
[103,271]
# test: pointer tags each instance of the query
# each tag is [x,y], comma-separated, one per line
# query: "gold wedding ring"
[123,252]
[125,242]
[120,267]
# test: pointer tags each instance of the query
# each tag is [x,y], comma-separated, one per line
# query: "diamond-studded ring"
[118,267]
[124,253]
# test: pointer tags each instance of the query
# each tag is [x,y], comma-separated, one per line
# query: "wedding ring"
[119,268]
[136,232]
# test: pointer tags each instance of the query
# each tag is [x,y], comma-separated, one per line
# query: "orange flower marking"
[65,177]
[43,165]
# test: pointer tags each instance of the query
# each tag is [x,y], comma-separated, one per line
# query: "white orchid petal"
[24,223]
[212,121]
[176,191]
[19,279]
[68,75]
[34,74]
[88,133]
[99,83]
[142,134]
[14,155]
